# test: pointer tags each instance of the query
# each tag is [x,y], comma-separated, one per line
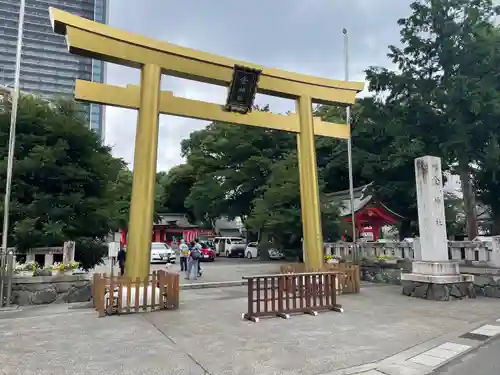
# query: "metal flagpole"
[10,157]
[349,144]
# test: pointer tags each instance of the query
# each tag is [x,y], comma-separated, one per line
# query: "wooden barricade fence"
[348,275]
[285,294]
[116,295]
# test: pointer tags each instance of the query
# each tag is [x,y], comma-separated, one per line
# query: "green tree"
[455,215]
[237,171]
[63,178]
[383,153]
[122,190]
[488,180]
[231,163]
[276,212]
[175,189]
[441,82]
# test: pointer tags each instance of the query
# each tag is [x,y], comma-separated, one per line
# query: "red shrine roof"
[366,207]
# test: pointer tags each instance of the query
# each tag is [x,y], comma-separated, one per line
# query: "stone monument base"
[437,281]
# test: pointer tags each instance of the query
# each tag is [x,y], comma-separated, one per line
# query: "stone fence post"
[495,253]
[417,249]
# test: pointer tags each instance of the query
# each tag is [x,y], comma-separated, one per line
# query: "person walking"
[184,253]
[121,257]
[193,261]
[198,245]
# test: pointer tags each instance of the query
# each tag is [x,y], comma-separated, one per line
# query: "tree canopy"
[443,89]
[64,180]
[231,164]
[174,188]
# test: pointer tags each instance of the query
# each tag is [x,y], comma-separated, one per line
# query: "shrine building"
[172,227]
[369,212]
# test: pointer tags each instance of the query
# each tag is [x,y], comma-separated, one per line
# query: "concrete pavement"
[76,342]
[380,332]
[378,325]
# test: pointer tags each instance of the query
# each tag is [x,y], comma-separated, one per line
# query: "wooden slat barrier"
[117,295]
[285,294]
[348,275]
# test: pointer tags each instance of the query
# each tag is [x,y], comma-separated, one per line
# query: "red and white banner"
[190,235]
[161,235]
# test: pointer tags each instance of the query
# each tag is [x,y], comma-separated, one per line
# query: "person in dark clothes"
[121,260]
[199,247]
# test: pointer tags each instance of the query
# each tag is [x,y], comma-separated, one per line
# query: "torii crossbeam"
[154,58]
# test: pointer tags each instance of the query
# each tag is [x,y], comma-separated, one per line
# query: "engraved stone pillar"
[433,276]
[431,218]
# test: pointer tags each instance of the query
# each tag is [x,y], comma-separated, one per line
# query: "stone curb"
[11,308]
[412,361]
[465,353]
[215,284]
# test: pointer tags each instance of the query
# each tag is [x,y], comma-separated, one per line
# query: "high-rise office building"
[47,69]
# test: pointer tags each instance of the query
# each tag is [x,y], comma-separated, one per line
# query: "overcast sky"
[304,36]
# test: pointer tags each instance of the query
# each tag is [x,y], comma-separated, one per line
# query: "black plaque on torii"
[242,90]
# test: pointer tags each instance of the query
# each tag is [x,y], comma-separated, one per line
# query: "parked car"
[276,254]
[251,251]
[230,246]
[207,254]
[161,253]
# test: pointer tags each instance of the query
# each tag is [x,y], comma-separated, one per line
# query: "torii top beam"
[103,42]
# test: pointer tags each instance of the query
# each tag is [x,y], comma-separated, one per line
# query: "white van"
[230,246]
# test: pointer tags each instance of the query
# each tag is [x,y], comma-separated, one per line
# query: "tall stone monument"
[433,275]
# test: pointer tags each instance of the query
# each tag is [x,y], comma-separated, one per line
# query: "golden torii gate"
[154,58]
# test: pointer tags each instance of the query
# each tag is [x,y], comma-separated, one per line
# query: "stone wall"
[438,292]
[487,286]
[382,272]
[486,280]
[41,290]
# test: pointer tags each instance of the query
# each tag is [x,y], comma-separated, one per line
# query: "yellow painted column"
[311,213]
[301,175]
[144,175]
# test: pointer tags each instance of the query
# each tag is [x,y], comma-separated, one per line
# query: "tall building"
[47,69]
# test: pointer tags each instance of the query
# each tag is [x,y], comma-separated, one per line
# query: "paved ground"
[207,336]
[222,269]
[483,361]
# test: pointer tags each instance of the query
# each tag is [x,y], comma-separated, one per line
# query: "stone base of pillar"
[437,281]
